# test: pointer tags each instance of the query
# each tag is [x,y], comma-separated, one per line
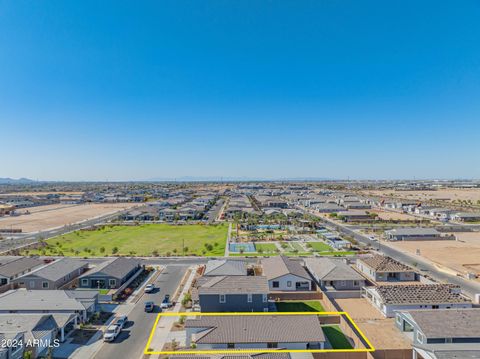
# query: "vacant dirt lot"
[379,330]
[387,215]
[472,194]
[461,256]
[46,217]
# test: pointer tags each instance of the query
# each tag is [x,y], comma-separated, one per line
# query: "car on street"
[149,288]
[121,321]
[166,302]
[111,333]
[149,306]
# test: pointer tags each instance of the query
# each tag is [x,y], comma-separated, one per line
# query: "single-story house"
[54,275]
[391,298]
[262,332]
[412,234]
[83,303]
[355,216]
[111,274]
[442,333]
[381,268]
[13,268]
[329,272]
[285,274]
[225,267]
[231,294]
[328,208]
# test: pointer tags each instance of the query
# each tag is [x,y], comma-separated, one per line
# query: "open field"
[140,241]
[266,247]
[461,256]
[319,246]
[449,194]
[57,215]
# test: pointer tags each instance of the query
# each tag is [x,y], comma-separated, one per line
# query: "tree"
[102,249]
[114,250]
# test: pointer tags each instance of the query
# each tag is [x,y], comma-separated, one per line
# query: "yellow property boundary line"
[235,351]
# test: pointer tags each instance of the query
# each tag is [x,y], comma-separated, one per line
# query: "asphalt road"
[132,340]
[468,287]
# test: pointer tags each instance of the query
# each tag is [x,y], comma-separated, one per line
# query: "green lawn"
[165,239]
[298,247]
[266,247]
[336,337]
[300,306]
[320,246]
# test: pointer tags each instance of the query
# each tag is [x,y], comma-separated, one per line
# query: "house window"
[420,337]
[356,283]
[272,345]
[112,282]
[85,281]
[223,298]
[289,283]
[264,298]
[230,346]
[249,298]
[275,284]
[44,285]
[435,307]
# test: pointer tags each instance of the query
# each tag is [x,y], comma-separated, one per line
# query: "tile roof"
[225,267]
[381,263]
[331,269]
[448,323]
[257,329]
[279,266]
[420,294]
[232,285]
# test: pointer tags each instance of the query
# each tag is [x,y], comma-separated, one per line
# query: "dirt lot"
[387,215]
[379,330]
[472,194]
[461,256]
[46,217]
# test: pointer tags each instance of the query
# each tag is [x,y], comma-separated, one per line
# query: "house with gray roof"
[111,274]
[82,303]
[225,267]
[442,333]
[231,294]
[381,268]
[285,274]
[466,217]
[391,298]
[415,234]
[294,332]
[334,273]
[55,275]
[14,267]
[44,328]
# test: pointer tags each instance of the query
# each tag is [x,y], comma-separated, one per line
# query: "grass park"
[142,240]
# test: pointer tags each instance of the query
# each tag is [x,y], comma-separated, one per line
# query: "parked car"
[149,306]
[121,321]
[166,302]
[111,333]
[149,288]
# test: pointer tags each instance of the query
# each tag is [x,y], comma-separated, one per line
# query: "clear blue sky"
[94,90]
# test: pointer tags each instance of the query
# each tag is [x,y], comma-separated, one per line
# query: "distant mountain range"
[8,180]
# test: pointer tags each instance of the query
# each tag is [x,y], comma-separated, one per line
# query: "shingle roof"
[448,323]
[420,294]
[257,329]
[232,285]
[331,269]
[38,300]
[117,268]
[58,269]
[225,267]
[278,266]
[381,263]
[18,266]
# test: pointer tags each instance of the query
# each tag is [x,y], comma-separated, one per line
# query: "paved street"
[131,342]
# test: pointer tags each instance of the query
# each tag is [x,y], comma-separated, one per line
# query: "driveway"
[132,340]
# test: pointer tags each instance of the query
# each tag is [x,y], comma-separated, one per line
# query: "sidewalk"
[162,329]
[95,343]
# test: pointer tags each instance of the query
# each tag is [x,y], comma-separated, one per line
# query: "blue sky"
[95,90]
